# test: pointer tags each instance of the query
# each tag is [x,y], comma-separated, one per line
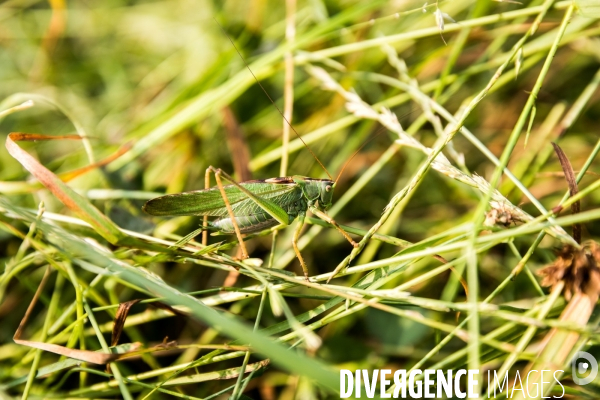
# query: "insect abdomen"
[247,224]
[293,203]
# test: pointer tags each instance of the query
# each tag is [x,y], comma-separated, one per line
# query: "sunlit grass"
[439,280]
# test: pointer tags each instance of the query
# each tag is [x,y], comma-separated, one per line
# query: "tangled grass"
[457,198]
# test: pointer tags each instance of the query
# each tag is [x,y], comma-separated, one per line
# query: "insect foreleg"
[236,228]
[327,218]
[295,245]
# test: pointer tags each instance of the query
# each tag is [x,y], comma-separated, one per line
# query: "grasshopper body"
[253,206]
[295,195]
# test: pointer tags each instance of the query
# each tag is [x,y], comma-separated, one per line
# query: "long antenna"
[379,132]
[269,97]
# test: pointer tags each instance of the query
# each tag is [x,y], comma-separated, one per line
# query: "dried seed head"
[518,61]
[327,82]
[578,268]
[439,19]
[359,108]
[501,214]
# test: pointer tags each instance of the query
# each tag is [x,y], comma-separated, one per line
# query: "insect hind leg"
[218,172]
[295,245]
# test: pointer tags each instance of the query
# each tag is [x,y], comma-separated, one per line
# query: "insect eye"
[327,188]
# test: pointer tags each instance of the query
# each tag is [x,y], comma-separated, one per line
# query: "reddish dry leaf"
[238,147]
[573,190]
[80,206]
[93,357]
[67,176]
[119,323]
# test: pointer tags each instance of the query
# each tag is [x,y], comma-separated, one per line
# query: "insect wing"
[210,202]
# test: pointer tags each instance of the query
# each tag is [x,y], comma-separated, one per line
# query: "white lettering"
[400,385]
[520,387]
[429,383]
[542,386]
[457,392]
[370,384]
[527,385]
[557,381]
[383,383]
[444,383]
[412,384]
[473,384]
[346,390]
[500,386]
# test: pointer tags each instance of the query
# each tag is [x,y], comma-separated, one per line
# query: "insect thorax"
[318,192]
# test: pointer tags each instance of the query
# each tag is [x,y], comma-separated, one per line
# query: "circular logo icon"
[581,364]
